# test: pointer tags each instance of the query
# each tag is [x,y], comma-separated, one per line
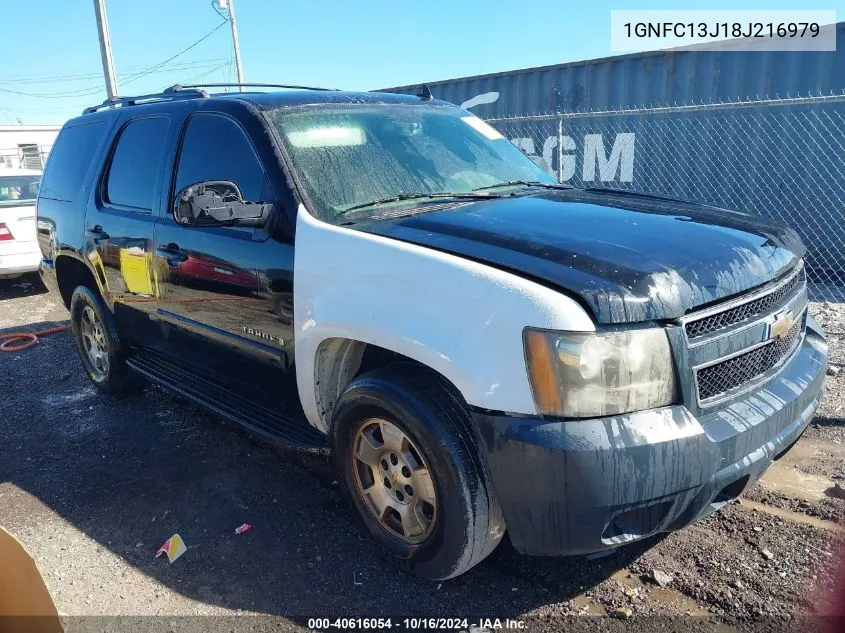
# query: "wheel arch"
[73,271]
[339,360]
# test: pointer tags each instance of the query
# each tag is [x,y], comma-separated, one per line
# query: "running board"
[256,411]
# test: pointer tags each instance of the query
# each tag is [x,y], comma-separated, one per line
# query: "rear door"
[119,219]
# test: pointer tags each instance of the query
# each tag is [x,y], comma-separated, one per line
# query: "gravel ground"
[828,424]
[93,485]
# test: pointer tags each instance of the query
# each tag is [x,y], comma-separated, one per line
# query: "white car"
[19,252]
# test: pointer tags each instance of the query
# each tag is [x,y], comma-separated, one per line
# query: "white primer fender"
[461,318]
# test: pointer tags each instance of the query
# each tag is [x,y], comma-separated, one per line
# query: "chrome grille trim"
[746,310]
[739,372]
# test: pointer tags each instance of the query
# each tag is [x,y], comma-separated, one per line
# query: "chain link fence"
[780,158]
[24,157]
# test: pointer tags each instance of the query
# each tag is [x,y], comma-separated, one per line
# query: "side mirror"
[218,203]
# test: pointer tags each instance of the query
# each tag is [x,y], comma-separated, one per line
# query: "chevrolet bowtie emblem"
[394,478]
[781,325]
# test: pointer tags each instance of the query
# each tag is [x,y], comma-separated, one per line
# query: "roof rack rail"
[168,95]
[182,87]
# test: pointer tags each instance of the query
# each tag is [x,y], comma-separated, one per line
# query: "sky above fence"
[53,69]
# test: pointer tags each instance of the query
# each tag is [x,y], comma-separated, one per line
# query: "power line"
[8,118]
[52,78]
[87,92]
[73,101]
[52,74]
[55,95]
[183,51]
[203,74]
[64,109]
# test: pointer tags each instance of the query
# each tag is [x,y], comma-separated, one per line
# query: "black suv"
[482,348]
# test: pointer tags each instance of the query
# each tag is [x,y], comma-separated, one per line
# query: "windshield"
[348,156]
[18,189]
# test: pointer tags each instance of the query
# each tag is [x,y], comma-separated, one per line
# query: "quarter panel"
[458,317]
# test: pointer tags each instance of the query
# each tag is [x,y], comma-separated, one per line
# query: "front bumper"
[583,486]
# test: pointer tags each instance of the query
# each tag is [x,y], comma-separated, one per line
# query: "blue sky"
[51,50]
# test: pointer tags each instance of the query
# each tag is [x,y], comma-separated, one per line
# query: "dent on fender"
[459,317]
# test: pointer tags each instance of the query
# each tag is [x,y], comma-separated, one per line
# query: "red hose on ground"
[16,341]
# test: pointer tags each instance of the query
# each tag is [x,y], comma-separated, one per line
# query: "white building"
[26,145]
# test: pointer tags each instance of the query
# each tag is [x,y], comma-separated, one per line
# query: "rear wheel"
[98,343]
[403,442]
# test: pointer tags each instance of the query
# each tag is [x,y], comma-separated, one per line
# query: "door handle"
[97,234]
[173,254]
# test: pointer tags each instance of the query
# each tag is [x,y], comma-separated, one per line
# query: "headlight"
[603,373]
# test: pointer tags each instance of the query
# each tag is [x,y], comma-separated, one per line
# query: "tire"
[466,520]
[110,374]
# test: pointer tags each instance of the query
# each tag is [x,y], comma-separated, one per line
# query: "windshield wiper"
[413,196]
[527,183]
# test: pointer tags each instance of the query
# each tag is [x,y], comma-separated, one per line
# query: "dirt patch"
[826,508]
[789,515]
[790,481]
[815,457]
[746,565]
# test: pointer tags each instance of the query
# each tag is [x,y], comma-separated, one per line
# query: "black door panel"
[120,252]
[119,222]
[209,286]
[216,305]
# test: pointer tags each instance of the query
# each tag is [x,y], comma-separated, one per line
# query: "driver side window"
[216,148]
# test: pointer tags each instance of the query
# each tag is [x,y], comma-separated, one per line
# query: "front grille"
[746,311]
[723,377]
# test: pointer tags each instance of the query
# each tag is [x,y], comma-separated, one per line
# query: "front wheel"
[403,442]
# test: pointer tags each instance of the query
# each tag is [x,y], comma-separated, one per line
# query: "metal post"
[105,47]
[236,44]
[559,148]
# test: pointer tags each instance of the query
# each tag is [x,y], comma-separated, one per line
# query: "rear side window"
[70,159]
[136,163]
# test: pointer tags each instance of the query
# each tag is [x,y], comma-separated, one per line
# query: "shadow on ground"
[23,286]
[137,470]
[828,421]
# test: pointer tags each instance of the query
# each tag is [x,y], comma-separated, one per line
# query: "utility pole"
[105,48]
[229,5]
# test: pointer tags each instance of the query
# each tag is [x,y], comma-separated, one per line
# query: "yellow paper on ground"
[174,547]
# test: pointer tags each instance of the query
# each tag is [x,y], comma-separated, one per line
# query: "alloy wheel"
[394,480]
[95,342]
